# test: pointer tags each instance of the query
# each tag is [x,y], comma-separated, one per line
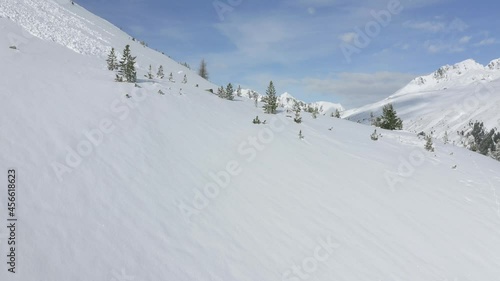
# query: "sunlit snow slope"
[444,101]
[184,187]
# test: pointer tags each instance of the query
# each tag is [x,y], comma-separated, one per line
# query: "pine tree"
[149,75]
[270,100]
[229,92]
[185,80]
[203,72]
[238,91]
[315,113]
[495,154]
[221,92]
[131,74]
[160,73]
[112,60]
[127,67]
[487,142]
[428,144]
[297,110]
[337,113]
[372,118]
[389,119]
[255,97]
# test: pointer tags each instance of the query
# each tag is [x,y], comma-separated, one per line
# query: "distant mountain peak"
[494,65]
[463,73]
[286,100]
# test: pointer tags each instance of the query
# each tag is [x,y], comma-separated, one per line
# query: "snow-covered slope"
[184,187]
[83,32]
[444,101]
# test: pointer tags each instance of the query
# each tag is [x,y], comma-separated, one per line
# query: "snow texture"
[104,181]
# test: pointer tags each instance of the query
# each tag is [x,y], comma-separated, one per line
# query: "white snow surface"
[334,205]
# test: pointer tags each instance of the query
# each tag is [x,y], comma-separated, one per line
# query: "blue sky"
[302,44]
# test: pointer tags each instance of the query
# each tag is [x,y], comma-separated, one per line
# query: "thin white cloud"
[426,26]
[464,40]
[485,42]
[256,37]
[438,46]
[457,25]
[355,89]
[277,39]
[348,37]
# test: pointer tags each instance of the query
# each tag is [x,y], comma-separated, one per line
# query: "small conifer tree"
[203,72]
[270,100]
[337,113]
[149,75]
[428,144]
[127,67]
[229,92]
[297,109]
[221,92]
[255,99]
[315,113]
[112,60]
[495,154]
[160,73]
[389,119]
[238,91]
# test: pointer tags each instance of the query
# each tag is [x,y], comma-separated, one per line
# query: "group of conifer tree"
[228,92]
[125,67]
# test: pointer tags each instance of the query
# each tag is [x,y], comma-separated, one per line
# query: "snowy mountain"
[445,100]
[182,186]
[287,101]
[461,74]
